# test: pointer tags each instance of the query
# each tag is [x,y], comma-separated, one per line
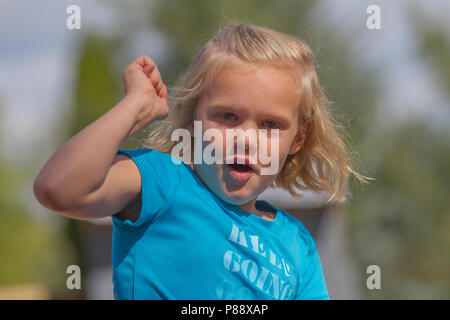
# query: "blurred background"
[390,88]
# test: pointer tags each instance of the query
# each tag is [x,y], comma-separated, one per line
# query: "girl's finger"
[165,92]
[144,60]
[148,70]
[155,77]
[159,88]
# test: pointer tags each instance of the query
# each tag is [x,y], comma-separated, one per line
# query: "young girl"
[195,230]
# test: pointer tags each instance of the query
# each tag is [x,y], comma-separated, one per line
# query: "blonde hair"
[323,162]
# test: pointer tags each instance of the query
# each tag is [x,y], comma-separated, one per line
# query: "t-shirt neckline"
[258,204]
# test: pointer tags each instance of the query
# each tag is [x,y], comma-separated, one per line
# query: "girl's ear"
[301,136]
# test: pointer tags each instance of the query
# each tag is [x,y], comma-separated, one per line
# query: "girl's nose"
[246,140]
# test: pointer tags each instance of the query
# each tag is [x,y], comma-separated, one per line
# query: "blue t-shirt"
[189,244]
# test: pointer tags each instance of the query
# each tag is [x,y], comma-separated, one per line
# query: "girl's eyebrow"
[227,106]
[284,119]
[281,118]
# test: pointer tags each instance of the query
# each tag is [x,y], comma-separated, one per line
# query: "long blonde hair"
[323,163]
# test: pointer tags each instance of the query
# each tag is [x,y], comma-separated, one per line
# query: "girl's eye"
[229,116]
[270,124]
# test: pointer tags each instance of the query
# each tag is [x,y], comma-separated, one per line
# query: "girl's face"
[261,97]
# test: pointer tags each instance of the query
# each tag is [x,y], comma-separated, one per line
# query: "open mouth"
[240,172]
[241,167]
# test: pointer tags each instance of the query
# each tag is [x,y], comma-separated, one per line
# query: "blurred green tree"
[401,222]
[31,252]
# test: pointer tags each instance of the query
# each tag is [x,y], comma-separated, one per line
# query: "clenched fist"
[142,79]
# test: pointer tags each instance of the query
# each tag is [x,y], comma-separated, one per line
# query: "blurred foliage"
[401,221]
[434,45]
[30,252]
[97,86]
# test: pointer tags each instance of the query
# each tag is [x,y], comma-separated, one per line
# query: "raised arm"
[84,178]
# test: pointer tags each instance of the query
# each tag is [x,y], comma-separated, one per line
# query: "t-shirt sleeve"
[312,284]
[159,181]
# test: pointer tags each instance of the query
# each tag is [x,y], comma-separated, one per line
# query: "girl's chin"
[238,196]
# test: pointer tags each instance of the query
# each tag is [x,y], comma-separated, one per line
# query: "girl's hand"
[142,80]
